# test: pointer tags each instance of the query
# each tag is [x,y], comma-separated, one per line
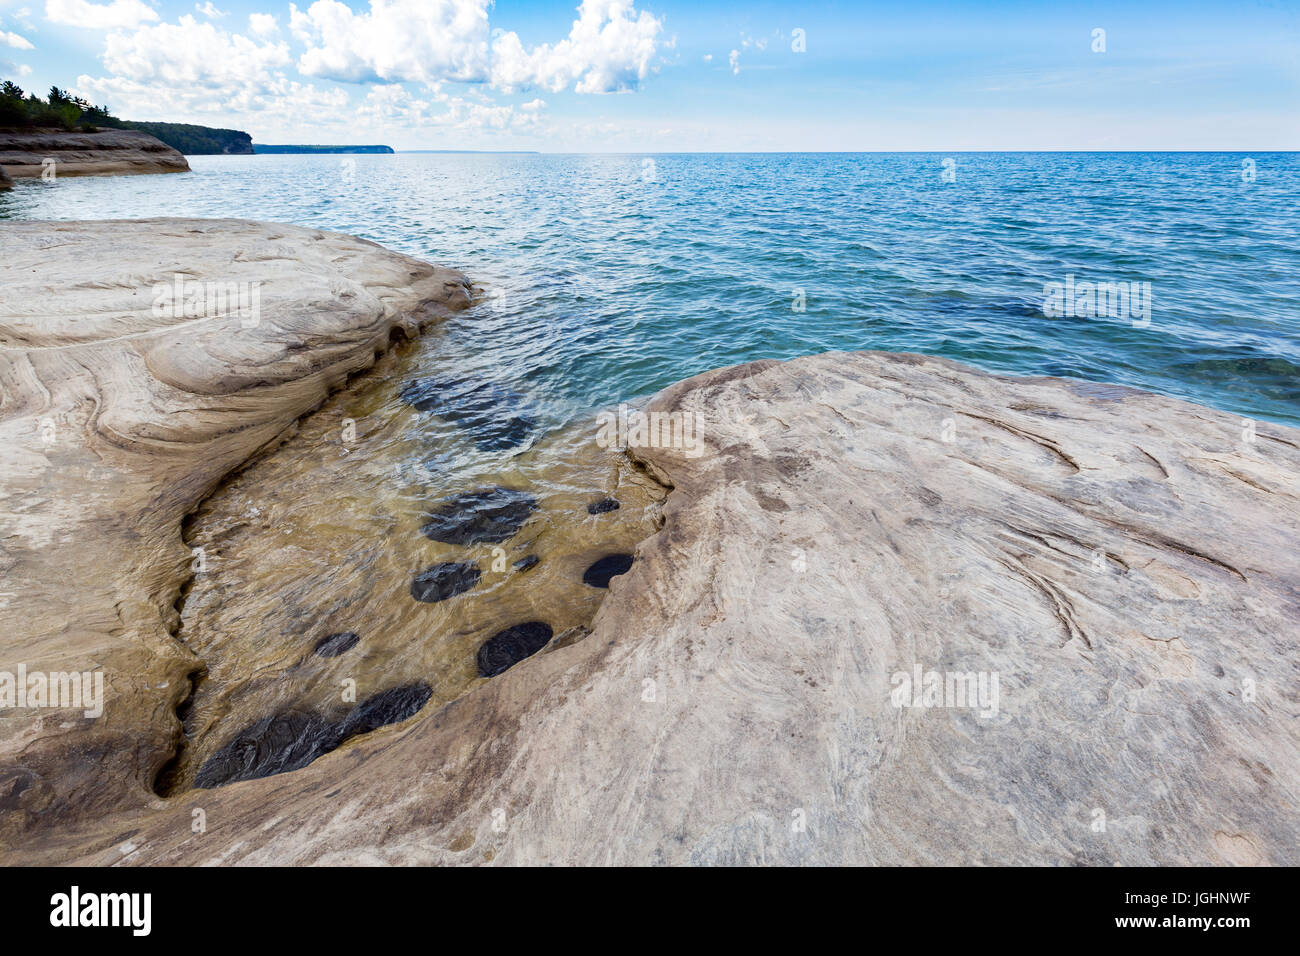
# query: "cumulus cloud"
[189,52]
[14,41]
[609,48]
[262,24]
[99,16]
[178,69]
[194,67]
[396,40]
[272,102]
[734,59]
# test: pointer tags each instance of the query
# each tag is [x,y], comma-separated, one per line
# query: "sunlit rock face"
[142,363]
[50,153]
[898,611]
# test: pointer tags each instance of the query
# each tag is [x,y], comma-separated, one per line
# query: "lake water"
[612,276]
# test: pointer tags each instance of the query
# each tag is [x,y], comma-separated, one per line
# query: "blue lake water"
[612,276]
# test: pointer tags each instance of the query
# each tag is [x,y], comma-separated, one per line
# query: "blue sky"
[665,75]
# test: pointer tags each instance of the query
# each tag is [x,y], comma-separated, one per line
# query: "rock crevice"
[119,417]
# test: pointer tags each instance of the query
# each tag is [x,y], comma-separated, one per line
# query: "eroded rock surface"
[117,419]
[1122,564]
[105,152]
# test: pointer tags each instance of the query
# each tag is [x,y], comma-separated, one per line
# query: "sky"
[681,75]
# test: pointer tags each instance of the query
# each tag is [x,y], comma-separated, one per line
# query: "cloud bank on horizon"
[697,75]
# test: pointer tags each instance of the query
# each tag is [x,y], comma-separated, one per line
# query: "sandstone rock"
[117,419]
[1122,564]
[105,152]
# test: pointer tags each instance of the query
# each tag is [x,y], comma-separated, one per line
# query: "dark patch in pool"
[611,565]
[276,744]
[488,412]
[293,739]
[503,650]
[602,506]
[442,581]
[523,564]
[337,644]
[487,515]
[386,707]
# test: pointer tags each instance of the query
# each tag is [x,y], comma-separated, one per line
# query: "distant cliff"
[263,148]
[196,140]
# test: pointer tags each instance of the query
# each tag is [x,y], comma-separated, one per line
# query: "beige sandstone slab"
[106,152]
[1123,564]
[116,419]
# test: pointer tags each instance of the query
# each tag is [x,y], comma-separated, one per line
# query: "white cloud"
[415,40]
[734,59]
[609,47]
[99,16]
[386,106]
[209,11]
[263,24]
[194,70]
[273,102]
[14,41]
[174,70]
[200,54]
[608,50]
[708,58]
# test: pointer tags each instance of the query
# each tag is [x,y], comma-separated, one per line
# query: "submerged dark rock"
[603,506]
[387,707]
[488,515]
[442,581]
[611,565]
[506,648]
[489,413]
[293,739]
[276,744]
[523,564]
[336,644]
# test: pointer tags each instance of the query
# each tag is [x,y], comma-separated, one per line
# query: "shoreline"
[832,533]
